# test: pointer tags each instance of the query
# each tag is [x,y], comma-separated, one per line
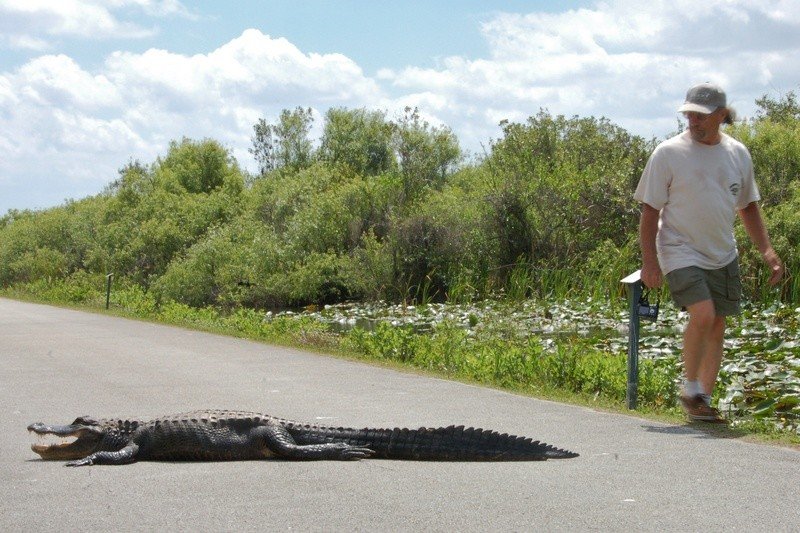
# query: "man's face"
[704,127]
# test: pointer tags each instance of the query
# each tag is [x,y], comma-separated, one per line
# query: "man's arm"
[754,225]
[648,227]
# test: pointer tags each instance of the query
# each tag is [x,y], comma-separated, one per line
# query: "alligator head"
[77,440]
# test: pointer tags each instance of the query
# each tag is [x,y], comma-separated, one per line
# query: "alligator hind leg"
[122,457]
[281,444]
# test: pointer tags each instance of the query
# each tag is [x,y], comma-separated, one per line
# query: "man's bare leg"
[712,359]
[702,355]
[697,340]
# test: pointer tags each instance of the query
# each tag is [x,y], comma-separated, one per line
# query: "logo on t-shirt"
[734,188]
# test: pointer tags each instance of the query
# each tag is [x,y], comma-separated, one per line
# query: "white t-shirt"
[697,188]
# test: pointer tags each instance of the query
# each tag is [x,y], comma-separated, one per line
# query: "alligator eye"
[85,421]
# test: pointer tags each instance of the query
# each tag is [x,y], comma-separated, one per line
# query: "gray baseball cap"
[704,98]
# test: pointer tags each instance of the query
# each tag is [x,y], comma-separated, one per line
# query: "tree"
[427,154]
[295,148]
[135,180]
[197,166]
[787,109]
[264,147]
[562,185]
[358,139]
[285,144]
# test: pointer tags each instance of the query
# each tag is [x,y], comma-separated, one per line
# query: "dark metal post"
[634,294]
[109,276]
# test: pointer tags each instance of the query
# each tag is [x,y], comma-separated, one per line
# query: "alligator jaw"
[75,441]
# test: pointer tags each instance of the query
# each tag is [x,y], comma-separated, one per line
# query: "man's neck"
[710,139]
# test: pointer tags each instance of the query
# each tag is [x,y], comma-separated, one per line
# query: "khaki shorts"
[693,284]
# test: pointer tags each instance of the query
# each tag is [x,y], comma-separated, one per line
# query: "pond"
[760,376]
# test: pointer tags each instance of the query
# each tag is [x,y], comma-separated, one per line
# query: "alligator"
[217,435]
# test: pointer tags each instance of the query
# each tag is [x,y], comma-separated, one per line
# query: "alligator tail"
[453,443]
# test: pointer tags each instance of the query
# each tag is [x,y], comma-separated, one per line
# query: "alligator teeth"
[45,441]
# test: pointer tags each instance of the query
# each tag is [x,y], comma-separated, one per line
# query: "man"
[690,191]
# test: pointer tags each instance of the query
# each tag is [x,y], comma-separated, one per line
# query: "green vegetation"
[390,210]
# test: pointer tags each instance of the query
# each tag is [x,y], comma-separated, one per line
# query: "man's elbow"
[648,210]
[752,207]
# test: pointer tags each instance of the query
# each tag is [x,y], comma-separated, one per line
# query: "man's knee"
[703,316]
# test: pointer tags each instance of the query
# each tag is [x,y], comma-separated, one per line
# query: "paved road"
[632,474]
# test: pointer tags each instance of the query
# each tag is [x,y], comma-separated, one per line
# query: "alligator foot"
[345,452]
[121,457]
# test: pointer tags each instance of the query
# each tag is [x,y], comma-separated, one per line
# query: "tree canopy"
[381,208]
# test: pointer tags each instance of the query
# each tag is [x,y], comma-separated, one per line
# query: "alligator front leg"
[122,457]
[281,444]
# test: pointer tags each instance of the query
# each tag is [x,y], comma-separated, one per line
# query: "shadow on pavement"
[700,430]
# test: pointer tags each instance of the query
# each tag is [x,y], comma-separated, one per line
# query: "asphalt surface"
[632,474]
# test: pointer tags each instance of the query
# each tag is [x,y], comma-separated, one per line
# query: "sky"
[87,86]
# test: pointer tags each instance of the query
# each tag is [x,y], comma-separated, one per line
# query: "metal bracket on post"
[634,283]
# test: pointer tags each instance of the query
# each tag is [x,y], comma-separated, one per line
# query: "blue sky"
[375,34]
[87,85]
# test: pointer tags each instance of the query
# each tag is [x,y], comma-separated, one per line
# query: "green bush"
[359,140]
[154,215]
[318,278]
[441,246]
[49,244]
[134,298]
[77,288]
[775,149]
[369,268]
[783,224]
[233,265]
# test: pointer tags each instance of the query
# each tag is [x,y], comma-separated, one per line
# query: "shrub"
[232,265]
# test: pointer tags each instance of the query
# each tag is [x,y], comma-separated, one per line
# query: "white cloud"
[57,81]
[62,115]
[24,42]
[77,18]
[33,24]
[155,8]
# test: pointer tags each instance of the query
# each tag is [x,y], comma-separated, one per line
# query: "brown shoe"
[698,411]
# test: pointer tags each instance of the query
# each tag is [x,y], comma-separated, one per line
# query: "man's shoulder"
[732,144]
[674,144]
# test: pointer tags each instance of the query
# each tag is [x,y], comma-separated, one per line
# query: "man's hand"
[651,275]
[775,266]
